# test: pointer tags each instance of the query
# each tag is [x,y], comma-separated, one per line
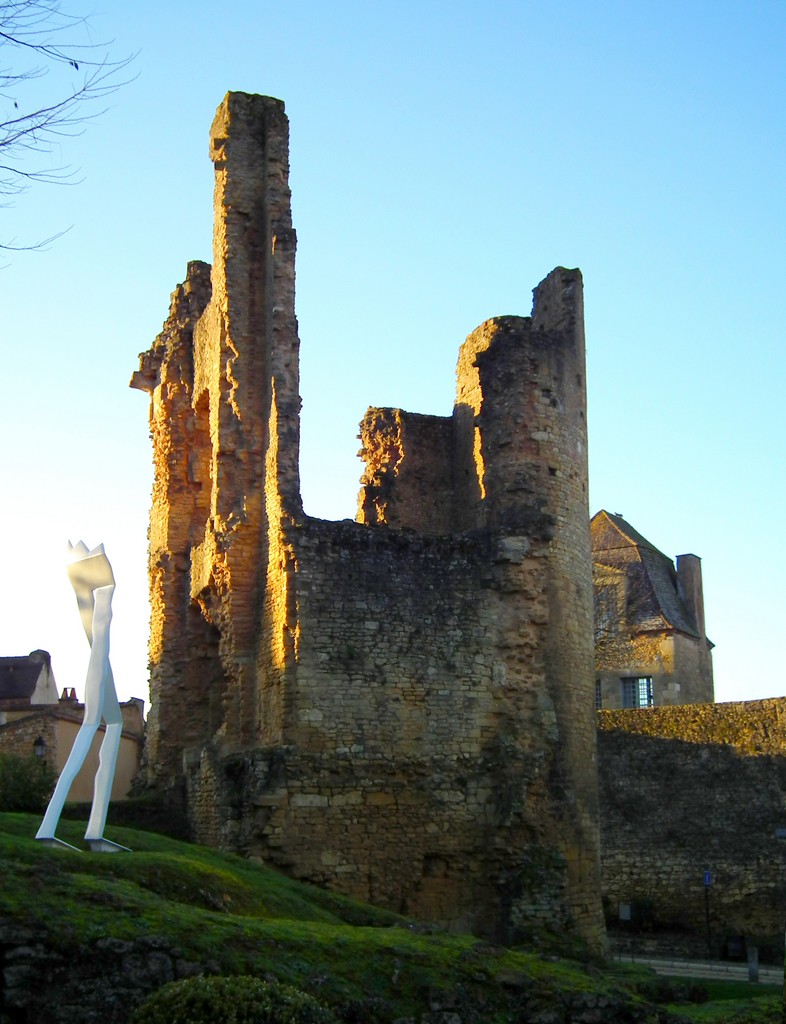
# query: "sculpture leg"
[76,759]
[94,700]
[107,759]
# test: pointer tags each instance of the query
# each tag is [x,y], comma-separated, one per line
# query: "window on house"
[637,692]
[598,696]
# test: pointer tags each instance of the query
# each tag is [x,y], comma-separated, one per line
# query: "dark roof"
[657,597]
[18,677]
[625,529]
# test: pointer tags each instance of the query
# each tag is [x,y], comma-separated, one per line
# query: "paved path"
[718,969]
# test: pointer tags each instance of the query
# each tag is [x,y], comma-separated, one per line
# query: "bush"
[152,812]
[239,1000]
[671,990]
[26,783]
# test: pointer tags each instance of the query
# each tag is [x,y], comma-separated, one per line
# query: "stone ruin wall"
[408,480]
[400,708]
[223,379]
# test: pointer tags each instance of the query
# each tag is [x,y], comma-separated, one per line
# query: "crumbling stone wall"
[408,481]
[401,707]
[223,379]
[689,788]
[393,663]
[183,643]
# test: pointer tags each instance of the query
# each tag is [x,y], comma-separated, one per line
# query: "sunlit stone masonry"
[400,708]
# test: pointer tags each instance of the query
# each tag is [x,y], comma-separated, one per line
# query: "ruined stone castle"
[401,707]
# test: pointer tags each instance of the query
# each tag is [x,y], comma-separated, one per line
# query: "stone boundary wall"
[751,727]
[688,789]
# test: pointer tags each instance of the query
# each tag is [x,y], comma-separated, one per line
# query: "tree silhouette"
[36,38]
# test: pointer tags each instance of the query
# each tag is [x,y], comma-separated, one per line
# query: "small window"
[637,692]
[598,695]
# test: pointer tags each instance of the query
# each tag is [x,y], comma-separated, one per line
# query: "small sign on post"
[707,884]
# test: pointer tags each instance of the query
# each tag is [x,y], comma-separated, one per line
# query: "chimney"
[690,589]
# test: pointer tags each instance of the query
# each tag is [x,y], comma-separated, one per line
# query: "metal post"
[707,884]
[780,833]
[753,963]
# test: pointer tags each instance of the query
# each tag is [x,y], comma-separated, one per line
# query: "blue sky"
[445,157]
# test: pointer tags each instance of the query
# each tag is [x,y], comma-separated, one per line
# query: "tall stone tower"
[400,708]
[223,378]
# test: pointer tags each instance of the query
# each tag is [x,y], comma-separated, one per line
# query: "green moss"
[766,1008]
[239,917]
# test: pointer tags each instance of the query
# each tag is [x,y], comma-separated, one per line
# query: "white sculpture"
[91,577]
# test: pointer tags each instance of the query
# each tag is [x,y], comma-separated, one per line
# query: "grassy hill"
[118,925]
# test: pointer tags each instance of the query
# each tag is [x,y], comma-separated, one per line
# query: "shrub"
[153,812]
[671,990]
[26,783]
[238,1000]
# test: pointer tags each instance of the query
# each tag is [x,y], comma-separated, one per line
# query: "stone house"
[26,680]
[651,647]
[34,721]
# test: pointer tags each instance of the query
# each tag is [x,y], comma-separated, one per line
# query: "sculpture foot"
[105,846]
[56,844]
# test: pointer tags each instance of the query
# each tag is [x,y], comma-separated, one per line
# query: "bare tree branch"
[40,29]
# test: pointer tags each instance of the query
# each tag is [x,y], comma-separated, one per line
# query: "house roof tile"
[657,600]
